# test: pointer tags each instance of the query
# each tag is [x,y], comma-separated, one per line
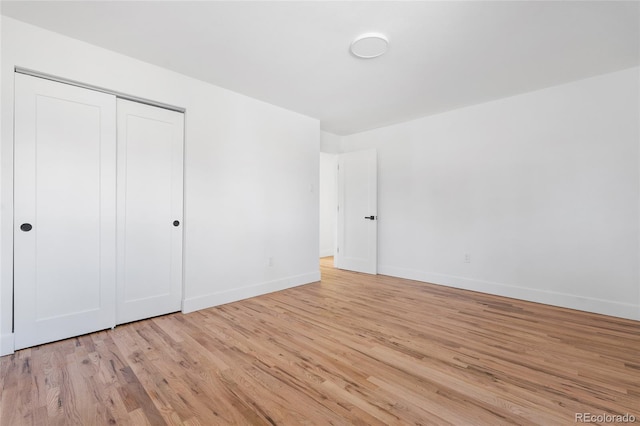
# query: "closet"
[98,203]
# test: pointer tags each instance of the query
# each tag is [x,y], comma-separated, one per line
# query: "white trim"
[6,344]
[588,304]
[228,296]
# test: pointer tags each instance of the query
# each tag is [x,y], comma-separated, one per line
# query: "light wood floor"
[352,349]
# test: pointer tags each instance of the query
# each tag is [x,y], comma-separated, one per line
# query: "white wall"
[330,143]
[329,147]
[540,189]
[328,203]
[6,338]
[251,172]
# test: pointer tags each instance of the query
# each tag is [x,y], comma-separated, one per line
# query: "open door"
[357,212]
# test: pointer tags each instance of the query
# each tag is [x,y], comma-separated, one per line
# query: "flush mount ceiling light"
[370,45]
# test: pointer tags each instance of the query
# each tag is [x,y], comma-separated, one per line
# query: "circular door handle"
[26,227]
[176,223]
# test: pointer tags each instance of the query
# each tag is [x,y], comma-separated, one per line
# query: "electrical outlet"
[467,258]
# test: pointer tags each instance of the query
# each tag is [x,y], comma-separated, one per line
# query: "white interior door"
[150,200]
[65,181]
[357,212]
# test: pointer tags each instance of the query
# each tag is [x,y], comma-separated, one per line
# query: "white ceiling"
[442,55]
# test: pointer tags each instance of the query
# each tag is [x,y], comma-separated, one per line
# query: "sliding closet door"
[150,150]
[65,201]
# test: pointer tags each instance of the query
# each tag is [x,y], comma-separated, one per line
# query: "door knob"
[26,227]
[370,217]
[176,223]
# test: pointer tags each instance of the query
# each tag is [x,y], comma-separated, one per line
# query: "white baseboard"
[326,252]
[228,296]
[6,344]
[599,306]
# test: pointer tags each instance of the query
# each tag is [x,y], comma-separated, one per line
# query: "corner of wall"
[330,143]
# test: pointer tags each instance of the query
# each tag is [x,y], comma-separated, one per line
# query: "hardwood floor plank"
[353,349]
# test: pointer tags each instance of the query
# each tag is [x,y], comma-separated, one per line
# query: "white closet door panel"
[150,151]
[65,156]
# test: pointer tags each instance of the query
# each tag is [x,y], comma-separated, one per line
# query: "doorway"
[348,210]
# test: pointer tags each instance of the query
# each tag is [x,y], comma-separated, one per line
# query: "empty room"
[319,212]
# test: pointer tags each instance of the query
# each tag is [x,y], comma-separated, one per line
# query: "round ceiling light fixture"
[369,46]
